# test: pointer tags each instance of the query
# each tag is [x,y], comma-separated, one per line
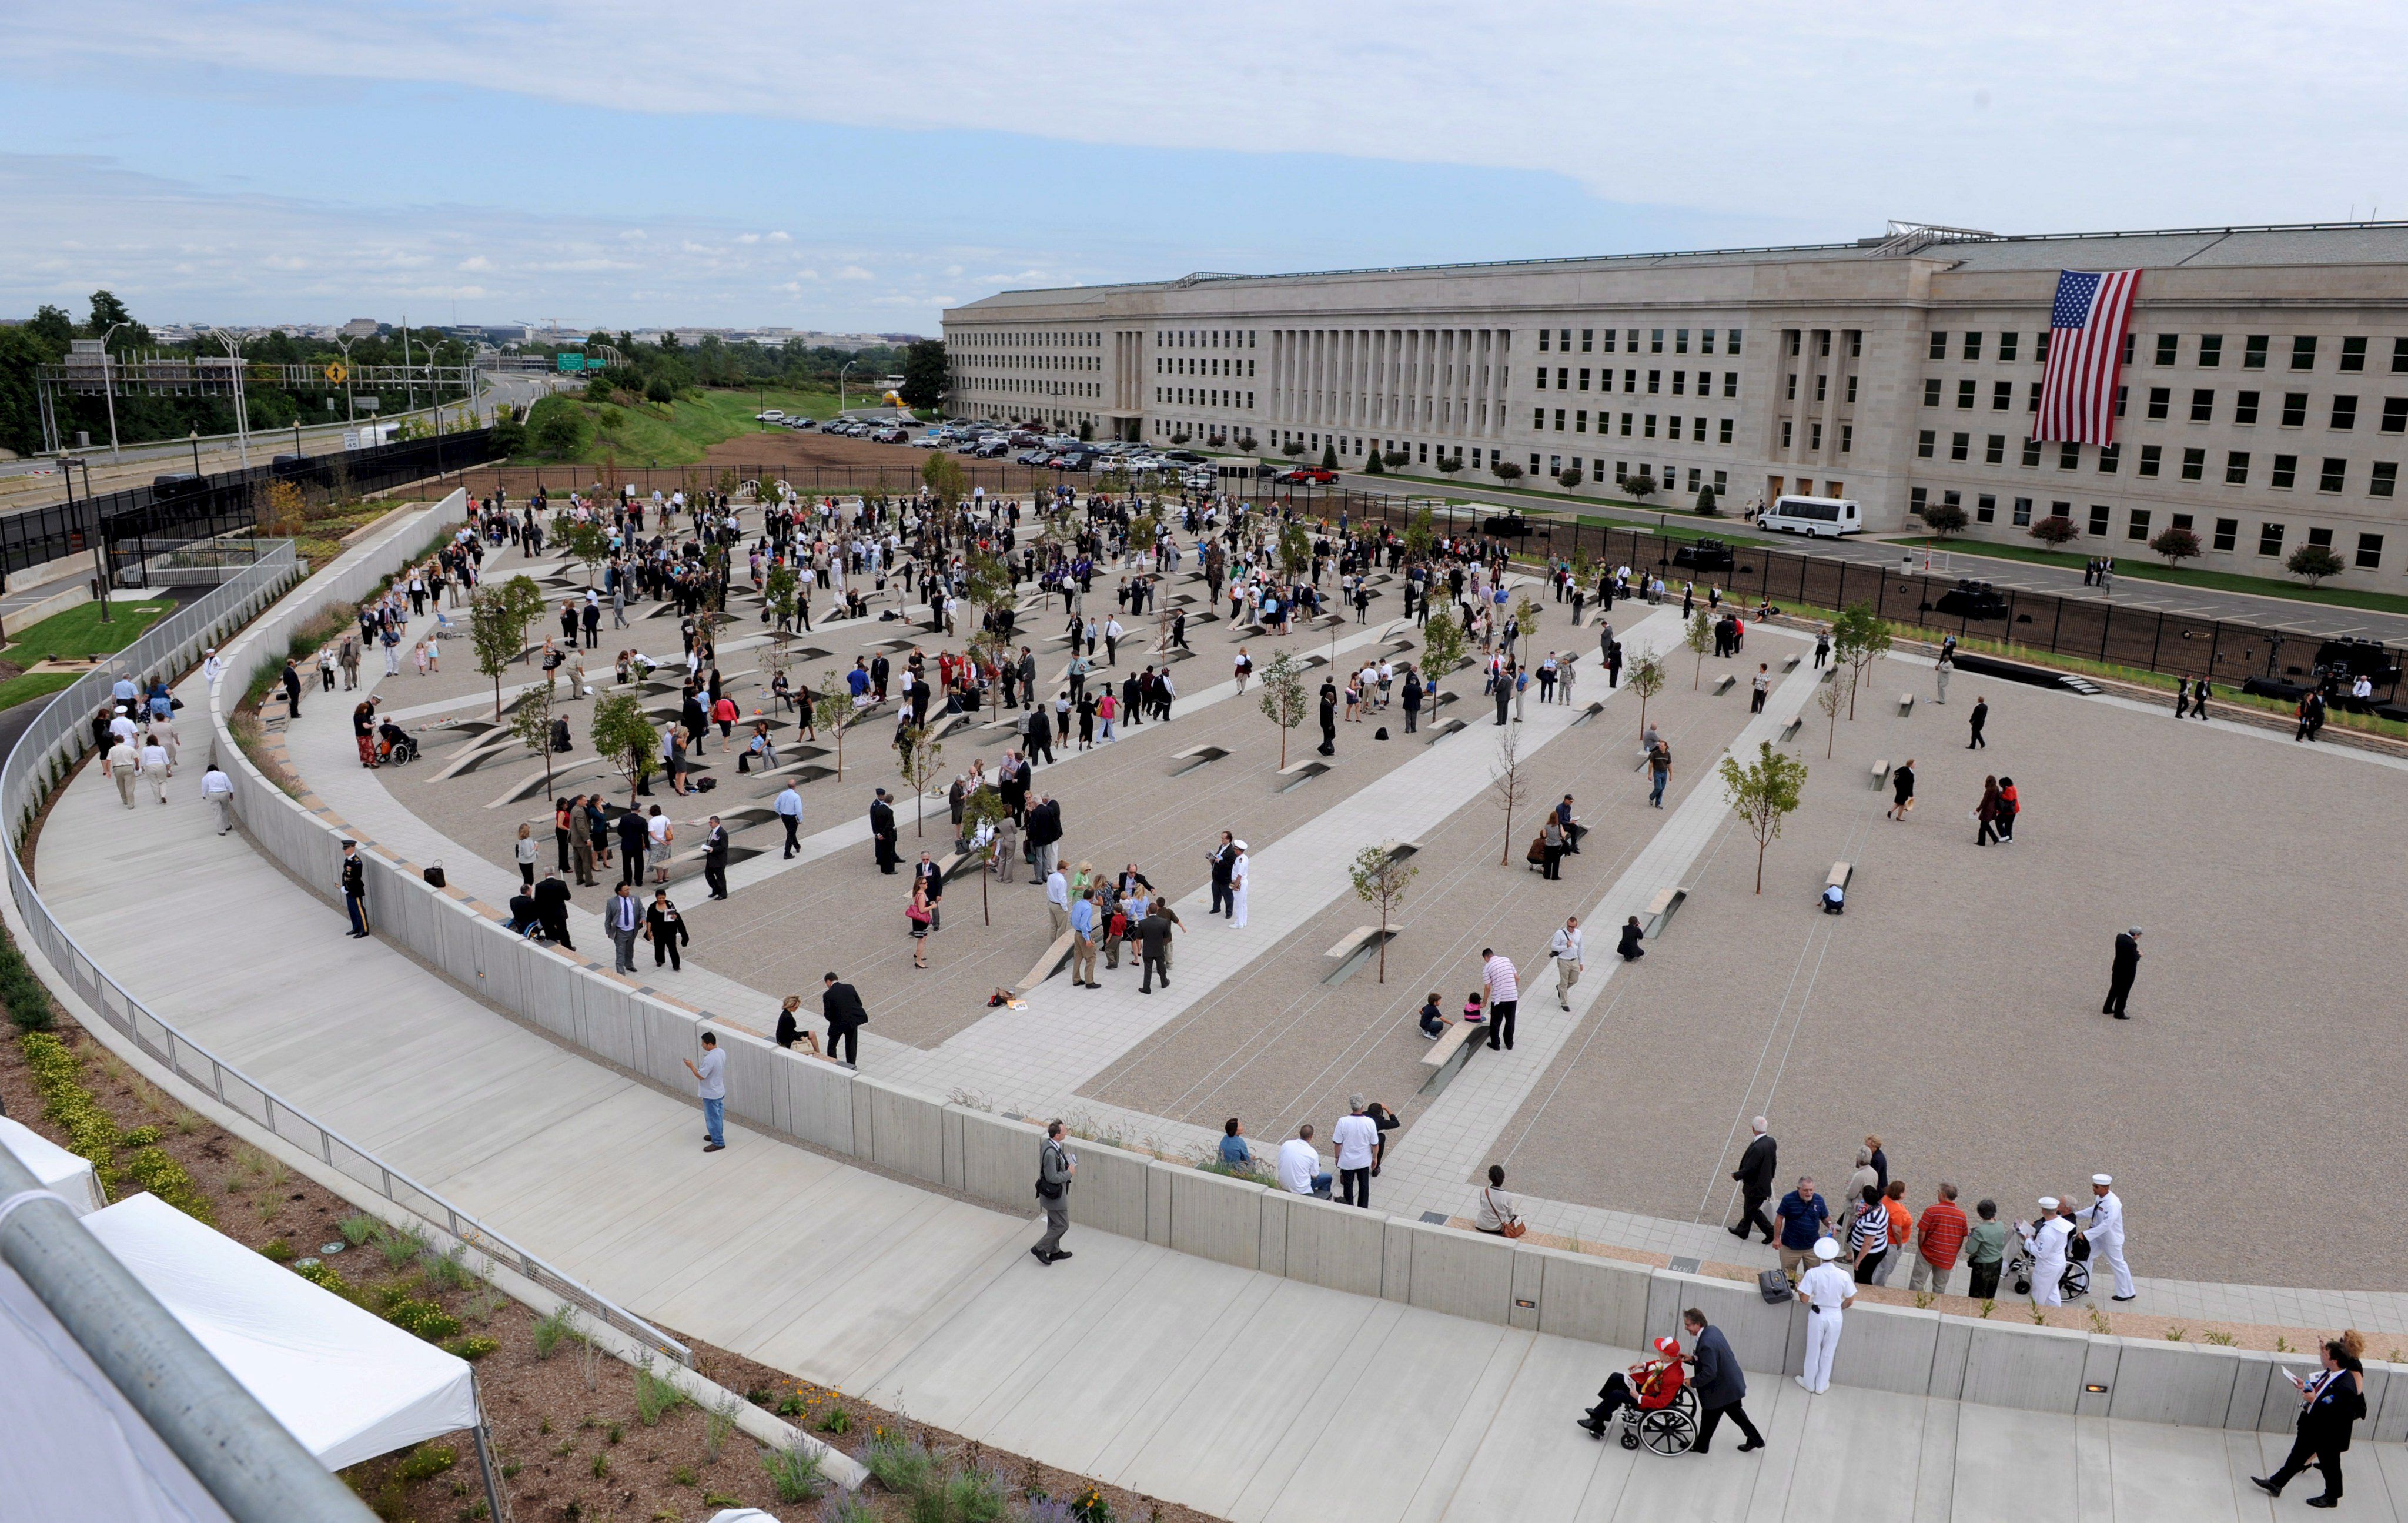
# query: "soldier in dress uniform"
[2104,1224]
[2045,1240]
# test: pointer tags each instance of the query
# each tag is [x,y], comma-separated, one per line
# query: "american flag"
[2085,356]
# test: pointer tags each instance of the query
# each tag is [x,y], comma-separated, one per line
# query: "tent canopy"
[346,1383]
[57,1169]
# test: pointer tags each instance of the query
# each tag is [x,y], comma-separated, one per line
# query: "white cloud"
[782,237]
[854,272]
[478,262]
[2148,112]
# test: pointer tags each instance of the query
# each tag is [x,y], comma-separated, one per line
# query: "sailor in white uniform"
[2045,1241]
[2103,1225]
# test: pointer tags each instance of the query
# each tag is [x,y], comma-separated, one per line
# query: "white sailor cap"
[2102,1179]
[2048,1202]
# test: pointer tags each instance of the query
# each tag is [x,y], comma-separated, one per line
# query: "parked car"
[1705,556]
[772,415]
[1306,475]
[1505,526]
[931,441]
[993,448]
[802,425]
[893,435]
[1185,457]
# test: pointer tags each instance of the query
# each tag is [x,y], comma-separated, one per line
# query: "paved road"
[2320,620]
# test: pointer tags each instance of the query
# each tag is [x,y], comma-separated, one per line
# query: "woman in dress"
[920,918]
[1238,872]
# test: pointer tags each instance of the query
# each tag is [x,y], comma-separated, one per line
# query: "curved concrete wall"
[993,1160]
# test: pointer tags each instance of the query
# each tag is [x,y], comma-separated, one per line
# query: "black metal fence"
[143,521]
[903,477]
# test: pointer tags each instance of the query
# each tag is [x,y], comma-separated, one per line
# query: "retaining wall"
[993,1160]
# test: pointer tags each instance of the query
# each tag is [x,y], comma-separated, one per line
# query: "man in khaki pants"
[1083,941]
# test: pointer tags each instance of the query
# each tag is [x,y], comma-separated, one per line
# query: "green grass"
[2152,571]
[17,690]
[681,432]
[79,632]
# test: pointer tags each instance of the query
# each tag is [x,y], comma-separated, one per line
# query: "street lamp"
[839,386]
[99,552]
[109,388]
[196,437]
[241,412]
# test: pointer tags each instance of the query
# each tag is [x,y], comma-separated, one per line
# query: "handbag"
[1774,1288]
[1512,1227]
[433,876]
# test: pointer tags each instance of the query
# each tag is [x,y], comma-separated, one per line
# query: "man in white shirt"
[789,805]
[1566,951]
[217,791]
[1058,901]
[2104,1224]
[212,666]
[121,763]
[2045,1240]
[710,1084]
[1827,1291]
[1300,1165]
[154,767]
[1503,993]
[1356,1137]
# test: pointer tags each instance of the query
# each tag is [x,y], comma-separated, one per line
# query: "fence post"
[2105,625]
[2157,639]
[2057,626]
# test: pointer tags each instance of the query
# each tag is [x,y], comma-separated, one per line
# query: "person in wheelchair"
[394,744]
[526,916]
[1650,1387]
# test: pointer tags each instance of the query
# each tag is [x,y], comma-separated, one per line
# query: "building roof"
[2303,243]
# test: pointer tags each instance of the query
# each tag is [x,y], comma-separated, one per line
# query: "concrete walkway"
[1244,1394]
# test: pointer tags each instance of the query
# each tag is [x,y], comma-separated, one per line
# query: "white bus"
[1830,516]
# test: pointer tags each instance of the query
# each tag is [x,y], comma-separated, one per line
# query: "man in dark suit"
[2330,1404]
[841,1005]
[1225,861]
[632,842]
[714,859]
[2119,978]
[1981,717]
[1719,1381]
[1754,1174]
[551,908]
[1045,831]
[883,833]
[1154,943]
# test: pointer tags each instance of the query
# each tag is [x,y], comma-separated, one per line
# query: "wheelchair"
[1668,1430]
[395,747]
[2073,1283]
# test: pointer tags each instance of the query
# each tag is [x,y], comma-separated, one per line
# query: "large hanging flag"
[2085,356]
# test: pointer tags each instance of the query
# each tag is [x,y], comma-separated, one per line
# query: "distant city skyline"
[268,161]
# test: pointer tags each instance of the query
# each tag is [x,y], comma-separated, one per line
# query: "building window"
[1931,392]
[2099,513]
[2295,410]
[1952,500]
[2236,468]
[2252,352]
[2021,513]
[1680,340]
[2211,350]
[2303,352]
[2183,522]
[1680,383]
[1538,418]
[1958,445]
[2160,401]
[1972,346]
[2270,539]
[1654,340]
[2031,453]
[1985,509]
[2228,534]
[2137,528]
[2110,456]
[1630,377]
[1852,387]
[1651,427]
[2002,396]
[2344,412]
[2007,347]
[2039,347]
[1607,348]
[1734,343]
[2244,408]
[1559,420]
[1730,384]
[1917,500]
[1584,378]
[2031,403]
[2069,455]
[1938,345]
[1994,453]
[1785,427]
[1965,393]
[1655,382]
[1726,432]
[2370,551]
[1722,482]
[2203,405]
[2169,345]
[1542,341]
[2194,465]
[2330,478]
[1792,393]
[2395,414]
[2287,470]
[1698,430]
[1626,426]
[1705,340]
[1847,438]
[1580,422]
[1542,370]
[1822,384]
[2353,354]
[2385,478]
[1924,443]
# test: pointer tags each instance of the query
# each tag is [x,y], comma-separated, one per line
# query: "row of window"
[1198,396]
[1040,362]
[1822,386]
[2294,414]
[1034,388]
[2256,349]
[1645,422]
[1602,340]
[1814,435]
[2332,471]
[1566,381]
[1168,367]
[1017,338]
[2139,525]
[1203,339]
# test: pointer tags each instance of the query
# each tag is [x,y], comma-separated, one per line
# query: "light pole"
[99,550]
[350,417]
[109,388]
[241,418]
[196,437]
[839,386]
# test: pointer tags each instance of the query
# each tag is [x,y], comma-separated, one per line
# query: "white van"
[1827,516]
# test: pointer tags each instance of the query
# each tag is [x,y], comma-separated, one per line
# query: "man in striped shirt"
[1504,995]
[1868,1236]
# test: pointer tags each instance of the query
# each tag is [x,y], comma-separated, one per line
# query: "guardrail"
[42,759]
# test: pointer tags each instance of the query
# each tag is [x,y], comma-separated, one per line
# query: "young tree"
[1639,488]
[1570,477]
[1699,639]
[581,539]
[622,731]
[1443,646]
[1295,548]
[2056,530]
[982,813]
[2175,545]
[778,589]
[1421,532]
[1504,469]
[528,604]
[1293,449]
[2314,561]
[833,712]
[1645,677]
[1763,794]
[532,724]
[1283,700]
[1858,639]
[286,511]
[1329,455]
[497,634]
[1509,783]
[1379,878]
[1526,613]
[921,759]
[1707,505]
[1945,519]
[1375,465]
[945,479]
[1829,698]
[1449,464]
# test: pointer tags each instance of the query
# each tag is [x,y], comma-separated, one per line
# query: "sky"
[738,162]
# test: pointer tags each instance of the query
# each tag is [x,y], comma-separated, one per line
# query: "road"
[2317,619]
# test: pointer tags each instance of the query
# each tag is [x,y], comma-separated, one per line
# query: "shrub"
[2315,562]
[2055,530]
[162,1176]
[421,1318]
[358,1228]
[902,1465]
[656,1397]
[2175,545]
[553,1329]
[28,1002]
[276,1251]
[323,1276]
[838,1421]
[793,1474]
[400,1246]
[471,1348]
[446,1272]
[426,1461]
[1505,471]
[1945,519]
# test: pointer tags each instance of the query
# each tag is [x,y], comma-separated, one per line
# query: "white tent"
[348,1384]
[55,1165]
